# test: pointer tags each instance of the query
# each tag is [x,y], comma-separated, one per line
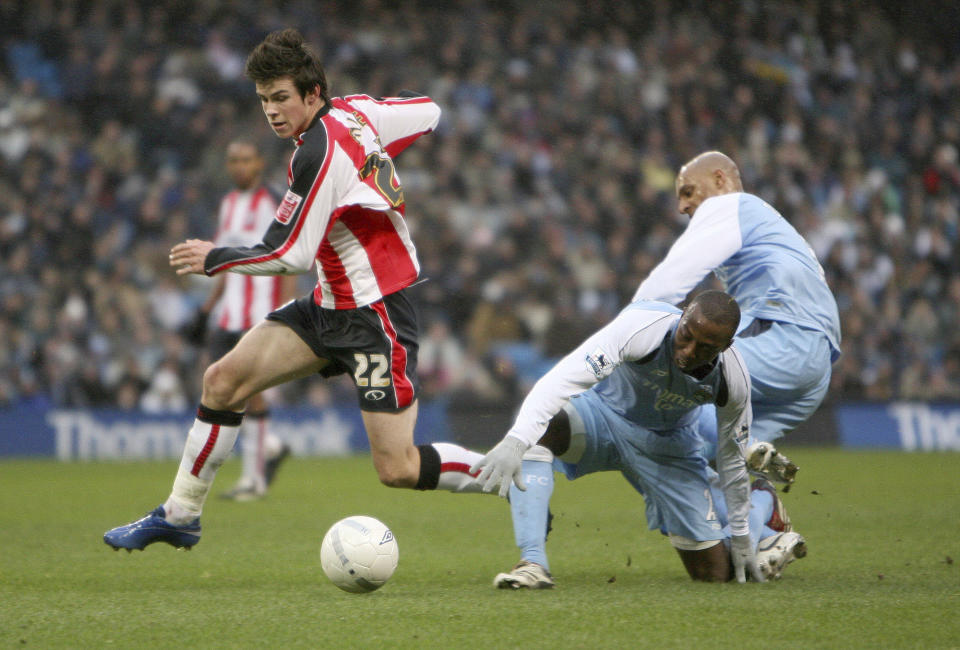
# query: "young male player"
[628,399]
[343,212]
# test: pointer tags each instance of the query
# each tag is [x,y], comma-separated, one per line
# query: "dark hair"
[284,54]
[718,307]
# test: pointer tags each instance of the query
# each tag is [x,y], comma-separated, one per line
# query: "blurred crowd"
[543,199]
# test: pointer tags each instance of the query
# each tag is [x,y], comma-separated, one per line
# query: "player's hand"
[502,465]
[188,256]
[744,556]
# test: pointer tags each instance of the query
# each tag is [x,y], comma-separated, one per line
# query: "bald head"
[711,173]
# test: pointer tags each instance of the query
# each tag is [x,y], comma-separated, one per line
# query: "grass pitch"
[882,570]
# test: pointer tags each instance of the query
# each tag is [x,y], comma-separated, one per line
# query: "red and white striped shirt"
[344,208]
[244,216]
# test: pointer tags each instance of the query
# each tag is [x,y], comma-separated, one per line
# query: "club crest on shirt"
[287,207]
[598,363]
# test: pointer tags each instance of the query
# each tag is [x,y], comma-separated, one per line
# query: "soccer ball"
[359,554]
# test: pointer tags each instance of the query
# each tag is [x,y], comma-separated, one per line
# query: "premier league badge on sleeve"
[599,364]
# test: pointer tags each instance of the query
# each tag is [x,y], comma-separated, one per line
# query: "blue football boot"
[153,528]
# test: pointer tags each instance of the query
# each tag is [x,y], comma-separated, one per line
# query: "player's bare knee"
[219,388]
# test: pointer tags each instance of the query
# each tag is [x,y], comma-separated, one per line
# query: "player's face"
[288,113]
[698,341]
[692,190]
[243,165]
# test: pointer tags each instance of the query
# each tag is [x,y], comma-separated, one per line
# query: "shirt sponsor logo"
[287,207]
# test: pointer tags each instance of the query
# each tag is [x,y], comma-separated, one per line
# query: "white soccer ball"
[359,554]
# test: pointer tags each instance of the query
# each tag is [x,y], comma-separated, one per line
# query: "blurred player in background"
[628,399]
[790,332]
[343,212]
[238,302]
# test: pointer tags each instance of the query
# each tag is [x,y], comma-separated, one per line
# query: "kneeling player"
[628,399]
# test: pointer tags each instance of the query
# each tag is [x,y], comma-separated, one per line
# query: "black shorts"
[221,342]
[377,344]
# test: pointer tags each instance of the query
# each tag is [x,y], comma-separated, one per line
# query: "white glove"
[501,465]
[744,556]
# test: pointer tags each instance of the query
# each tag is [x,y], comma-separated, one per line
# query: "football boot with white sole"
[526,575]
[777,551]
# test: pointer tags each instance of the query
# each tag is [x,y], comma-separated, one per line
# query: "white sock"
[455,463]
[254,430]
[207,446]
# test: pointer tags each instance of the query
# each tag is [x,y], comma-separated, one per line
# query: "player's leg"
[380,353]
[400,463]
[771,530]
[767,518]
[789,375]
[261,451]
[530,508]
[581,440]
[770,527]
[269,354]
[710,564]
[675,482]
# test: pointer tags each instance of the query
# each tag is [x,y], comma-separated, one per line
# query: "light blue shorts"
[676,483]
[789,375]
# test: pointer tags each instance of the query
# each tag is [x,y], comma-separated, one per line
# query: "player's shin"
[209,443]
[530,508]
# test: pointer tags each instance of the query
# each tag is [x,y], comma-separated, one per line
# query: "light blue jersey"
[775,274]
[789,331]
[653,392]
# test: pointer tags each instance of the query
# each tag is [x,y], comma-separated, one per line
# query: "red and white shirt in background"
[243,218]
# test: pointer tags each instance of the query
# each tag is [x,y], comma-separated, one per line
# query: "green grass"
[883,568]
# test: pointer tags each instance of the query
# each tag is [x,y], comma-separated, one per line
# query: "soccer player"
[790,333]
[343,211]
[628,399]
[238,302]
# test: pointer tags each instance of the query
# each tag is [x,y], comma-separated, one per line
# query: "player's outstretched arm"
[188,256]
